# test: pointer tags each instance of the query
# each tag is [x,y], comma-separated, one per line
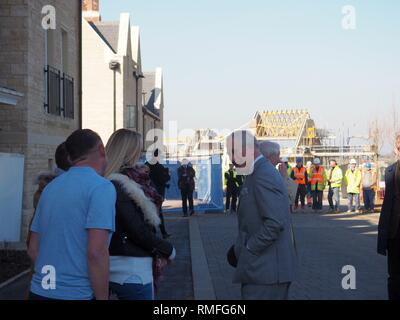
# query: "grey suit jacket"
[264,247]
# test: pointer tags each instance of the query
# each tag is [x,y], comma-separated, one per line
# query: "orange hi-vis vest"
[318,177]
[300,175]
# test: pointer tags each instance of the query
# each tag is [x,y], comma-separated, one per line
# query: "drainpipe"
[80,64]
[138,76]
[114,66]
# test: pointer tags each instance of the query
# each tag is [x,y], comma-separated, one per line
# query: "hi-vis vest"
[300,175]
[318,178]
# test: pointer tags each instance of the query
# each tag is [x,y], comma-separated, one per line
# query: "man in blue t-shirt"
[73,225]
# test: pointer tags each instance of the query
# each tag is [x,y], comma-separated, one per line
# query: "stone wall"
[27,128]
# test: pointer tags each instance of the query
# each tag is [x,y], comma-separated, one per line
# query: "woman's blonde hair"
[397,145]
[123,150]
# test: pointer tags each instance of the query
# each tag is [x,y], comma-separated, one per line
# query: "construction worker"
[318,184]
[300,176]
[353,182]
[335,179]
[309,194]
[285,161]
[232,189]
[369,186]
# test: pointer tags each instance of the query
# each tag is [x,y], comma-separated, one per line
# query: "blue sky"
[225,59]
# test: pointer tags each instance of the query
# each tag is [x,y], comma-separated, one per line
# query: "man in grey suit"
[266,259]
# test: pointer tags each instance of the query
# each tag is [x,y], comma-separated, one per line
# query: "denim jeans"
[334,198]
[369,199]
[132,291]
[354,197]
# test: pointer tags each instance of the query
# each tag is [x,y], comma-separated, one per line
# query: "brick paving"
[178,282]
[325,244]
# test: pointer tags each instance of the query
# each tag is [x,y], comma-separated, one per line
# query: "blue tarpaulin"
[209,189]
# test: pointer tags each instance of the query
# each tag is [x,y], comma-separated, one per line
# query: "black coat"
[159,176]
[390,216]
[133,236]
[186,178]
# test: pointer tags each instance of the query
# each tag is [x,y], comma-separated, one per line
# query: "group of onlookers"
[94,231]
[313,179]
[94,228]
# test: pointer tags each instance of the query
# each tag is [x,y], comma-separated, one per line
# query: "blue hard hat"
[368,165]
[298,160]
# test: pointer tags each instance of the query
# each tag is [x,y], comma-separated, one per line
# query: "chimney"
[91,10]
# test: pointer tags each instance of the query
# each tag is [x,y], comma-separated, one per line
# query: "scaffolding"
[297,134]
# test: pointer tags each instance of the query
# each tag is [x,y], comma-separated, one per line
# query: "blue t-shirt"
[71,204]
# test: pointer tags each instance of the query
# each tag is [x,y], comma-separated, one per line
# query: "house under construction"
[297,134]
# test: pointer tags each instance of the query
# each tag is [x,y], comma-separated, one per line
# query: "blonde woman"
[389,224]
[134,246]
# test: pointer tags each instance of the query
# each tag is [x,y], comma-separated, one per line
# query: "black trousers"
[301,195]
[317,200]
[187,196]
[231,198]
[394,268]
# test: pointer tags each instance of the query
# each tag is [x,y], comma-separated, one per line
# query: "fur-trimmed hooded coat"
[136,221]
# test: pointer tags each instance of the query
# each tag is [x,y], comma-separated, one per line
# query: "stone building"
[40,84]
[112,78]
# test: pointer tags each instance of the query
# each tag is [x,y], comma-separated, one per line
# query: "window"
[50,46]
[68,96]
[59,86]
[64,51]
[53,91]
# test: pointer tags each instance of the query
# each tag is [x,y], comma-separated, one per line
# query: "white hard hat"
[285,159]
[309,163]
[317,161]
[353,161]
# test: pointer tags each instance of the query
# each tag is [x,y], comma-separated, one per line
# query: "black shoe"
[192,213]
[185,215]
[166,236]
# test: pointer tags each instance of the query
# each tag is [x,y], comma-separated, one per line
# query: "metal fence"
[68,96]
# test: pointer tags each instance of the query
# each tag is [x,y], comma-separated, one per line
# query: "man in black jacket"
[186,175]
[389,225]
[159,176]
[232,189]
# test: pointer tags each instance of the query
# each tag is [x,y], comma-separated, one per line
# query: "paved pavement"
[325,244]
[178,282]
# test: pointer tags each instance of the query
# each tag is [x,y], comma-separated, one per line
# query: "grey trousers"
[265,292]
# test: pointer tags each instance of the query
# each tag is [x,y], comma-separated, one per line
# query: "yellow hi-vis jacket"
[337,177]
[228,176]
[353,181]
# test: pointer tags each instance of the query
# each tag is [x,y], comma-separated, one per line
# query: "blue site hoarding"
[209,188]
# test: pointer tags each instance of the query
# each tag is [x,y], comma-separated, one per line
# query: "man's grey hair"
[269,149]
